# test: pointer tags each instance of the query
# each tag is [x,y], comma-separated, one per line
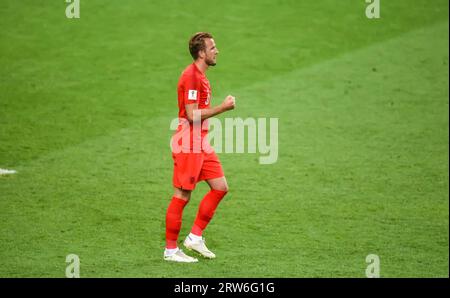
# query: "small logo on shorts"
[192,180]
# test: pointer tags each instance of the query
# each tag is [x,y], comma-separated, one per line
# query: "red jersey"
[193,87]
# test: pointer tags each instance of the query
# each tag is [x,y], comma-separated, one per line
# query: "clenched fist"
[229,103]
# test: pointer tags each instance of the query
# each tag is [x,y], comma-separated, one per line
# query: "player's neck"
[201,65]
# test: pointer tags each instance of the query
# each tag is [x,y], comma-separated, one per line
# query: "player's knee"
[182,194]
[225,187]
[222,187]
[185,198]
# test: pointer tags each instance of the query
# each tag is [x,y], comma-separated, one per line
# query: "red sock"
[173,221]
[206,210]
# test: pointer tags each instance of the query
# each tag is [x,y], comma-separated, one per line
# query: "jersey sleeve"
[191,92]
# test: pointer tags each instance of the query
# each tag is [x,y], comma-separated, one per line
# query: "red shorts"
[190,168]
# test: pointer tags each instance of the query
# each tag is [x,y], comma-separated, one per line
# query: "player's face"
[211,52]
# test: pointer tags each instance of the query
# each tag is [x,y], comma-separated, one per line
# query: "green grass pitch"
[85,108]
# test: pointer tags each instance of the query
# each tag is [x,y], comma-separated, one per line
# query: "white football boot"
[198,246]
[179,256]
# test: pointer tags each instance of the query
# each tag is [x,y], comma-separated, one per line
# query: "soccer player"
[191,165]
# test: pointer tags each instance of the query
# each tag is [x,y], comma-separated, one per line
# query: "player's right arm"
[228,104]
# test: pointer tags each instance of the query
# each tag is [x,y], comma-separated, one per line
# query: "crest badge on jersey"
[192,95]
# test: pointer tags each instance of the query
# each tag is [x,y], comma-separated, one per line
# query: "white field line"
[7,172]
